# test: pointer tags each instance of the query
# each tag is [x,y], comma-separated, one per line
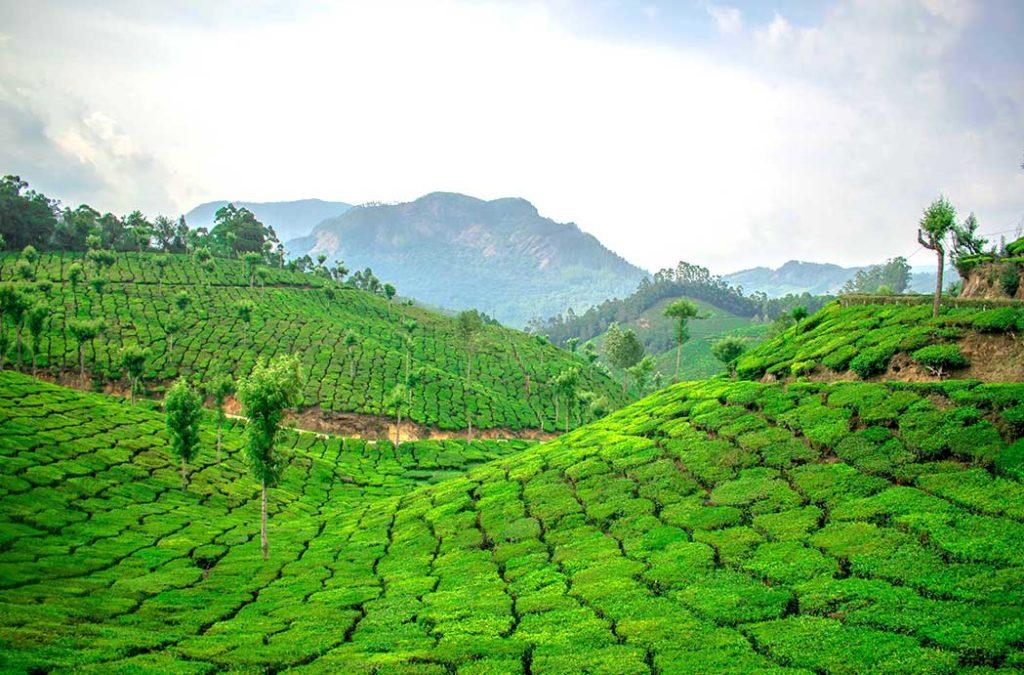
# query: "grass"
[714,526]
[307,315]
[864,338]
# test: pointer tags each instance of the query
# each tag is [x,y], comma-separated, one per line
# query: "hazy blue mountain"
[289,219]
[455,251]
[793,277]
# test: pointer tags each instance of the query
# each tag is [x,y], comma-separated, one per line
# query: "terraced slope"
[103,557]
[306,315]
[717,526]
[858,337]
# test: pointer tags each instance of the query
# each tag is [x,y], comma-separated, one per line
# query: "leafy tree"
[894,274]
[73,228]
[161,267]
[641,374]
[728,349]
[935,226]
[182,300]
[141,230]
[566,384]
[407,342]
[219,387]
[133,359]
[571,344]
[681,311]
[183,409]
[35,320]
[84,330]
[15,303]
[623,349]
[589,352]
[397,398]
[172,326]
[468,325]
[24,270]
[389,293]
[273,387]
[245,309]
[98,285]
[31,255]
[252,260]
[236,230]
[27,218]
[351,340]
[75,274]
[798,313]
[966,242]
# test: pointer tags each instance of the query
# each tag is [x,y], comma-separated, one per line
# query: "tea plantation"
[197,319]
[863,338]
[719,526]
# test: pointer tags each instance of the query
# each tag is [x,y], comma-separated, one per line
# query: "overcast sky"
[727,134]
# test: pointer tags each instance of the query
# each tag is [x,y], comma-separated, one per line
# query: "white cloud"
[823,143]
[728,19]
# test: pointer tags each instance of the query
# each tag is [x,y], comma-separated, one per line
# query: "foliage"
[940,357]
[183,411]
[728,349]
[893,276]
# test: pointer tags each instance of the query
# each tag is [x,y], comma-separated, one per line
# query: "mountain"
[794,277]
[452,250]
[289,219]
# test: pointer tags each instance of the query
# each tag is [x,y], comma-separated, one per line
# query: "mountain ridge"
[289,219]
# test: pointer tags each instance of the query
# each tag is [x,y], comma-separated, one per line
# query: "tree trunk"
[218,440]
[33,362]
[131,392]
[17,337]
[81,365]
[556,408]
[351,366]
[567,410]
[184,475]
[398,426]
[263,521]
[679,355]
[938,283]
[469,376]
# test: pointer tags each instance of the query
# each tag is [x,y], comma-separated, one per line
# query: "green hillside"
[897,339]
[655,330]
[296,313]
[725,526]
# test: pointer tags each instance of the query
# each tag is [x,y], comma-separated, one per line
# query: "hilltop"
[196,319]
[451,250]
[798,277]
[289,219]
[712,526]
[896,338]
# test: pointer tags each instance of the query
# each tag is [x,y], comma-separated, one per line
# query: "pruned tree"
[75,275]
[936,225]
[84,330]
[680,311]
[35,320]
[133,359]
[468,325]
[566,384]
[397,398]
[351,339]
[271,388]
[183,410]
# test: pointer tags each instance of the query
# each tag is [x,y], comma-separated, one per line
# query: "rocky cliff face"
[995,280]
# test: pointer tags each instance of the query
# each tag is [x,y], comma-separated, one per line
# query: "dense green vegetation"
[864,338]
[199,319]
[717,526]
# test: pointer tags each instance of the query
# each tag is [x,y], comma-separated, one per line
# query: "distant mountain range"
[452,250]
[798,277]
[289,219]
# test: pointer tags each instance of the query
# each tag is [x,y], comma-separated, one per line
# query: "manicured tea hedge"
[513,374]
[715,526]
[864,338]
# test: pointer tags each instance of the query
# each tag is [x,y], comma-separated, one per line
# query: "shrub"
[1010,461]
[1001,320]
[1014,418]
[1009,278]
[940,357]
[871,361]
[839,360]
[802,367]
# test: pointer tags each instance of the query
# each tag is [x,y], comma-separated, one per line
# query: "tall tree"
[398,399]
[133,359]
[219,387]
[468,325]
[728,349]
[84,330]
[641,374]
[623,349]
[183,409]
[567,384]
[75,274]
[36,322]
[273,387]
[26,217]
[680,311]
[389,293]
[351,340]
[935,226]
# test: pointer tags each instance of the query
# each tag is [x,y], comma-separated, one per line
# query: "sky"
[727,134]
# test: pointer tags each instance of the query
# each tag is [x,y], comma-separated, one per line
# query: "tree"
[966,242]
[681,311]
[76,273]
[273,387]
[798,313]
[468,325]
[935,226]
[351,340]
[236,230]
[84,330]
[98,285]
[407,342]
[26,216]
[252,260]
[140,228]
[182,300]
[728,349]
[219,387]
[16,305]
[641,374]
[571,344]
[245,309]
[566,384]
[389,293]
[183,410]
[133,359]
[397,398]
[161,266]
[36,321]
[623,349]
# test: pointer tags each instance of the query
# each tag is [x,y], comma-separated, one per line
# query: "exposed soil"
[983,282]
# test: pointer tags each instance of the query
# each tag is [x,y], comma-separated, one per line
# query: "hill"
[717,526]
[896,338]
[289,219]
[455,251]
[228,324]
[794,277]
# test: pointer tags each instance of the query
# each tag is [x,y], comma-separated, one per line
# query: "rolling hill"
[896,338]
[717,526]
[794,277]
[499,256]
[197,319]
[289,219]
